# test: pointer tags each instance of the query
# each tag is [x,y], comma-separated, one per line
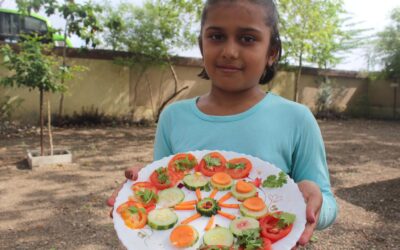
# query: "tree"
[388,47]
[152,32]
[313,32]
[33,67]
[80,20]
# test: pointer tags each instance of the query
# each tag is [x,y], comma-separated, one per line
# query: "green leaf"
[285,219]
[275,181]
[250,239]
[183,164]
[211,162]
[147,195]
[236,166]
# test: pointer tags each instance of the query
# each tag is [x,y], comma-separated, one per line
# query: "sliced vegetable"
[238,168]
[194,181]
[277,225]
[213,193]
[162,219]
[218,236]
[145,193]
[250,239]
[162,179]
[212,163]
[207,207]
[228,205]
[221,181]
[133,214]
[244,187]
[210,223]
[184,207]
[253,214]
[242,196]
[191,218]
[226,215]
[226,196]
[192,202]
[184,236]
[254,204]
[198,193]
[239,225]
[182,164]
[170,197]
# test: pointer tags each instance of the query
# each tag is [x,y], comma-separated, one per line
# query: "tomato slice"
[182,164]
[270,229]
[212,163]
[267,244]
[161,178]
[144,189]
[133,214]
[239,168]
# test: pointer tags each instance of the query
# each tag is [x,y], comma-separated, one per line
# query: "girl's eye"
[216,37]
[247,39]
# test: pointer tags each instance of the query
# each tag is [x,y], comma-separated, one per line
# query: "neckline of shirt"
[229,118]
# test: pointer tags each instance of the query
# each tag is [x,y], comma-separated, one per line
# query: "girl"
[241,48]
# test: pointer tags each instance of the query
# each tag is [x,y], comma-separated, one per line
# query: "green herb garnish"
[147,195]
[250,239]
[240,165]
[162,177]
[135,210]
[285,219]
[275,181]
[183,164]
[211,162]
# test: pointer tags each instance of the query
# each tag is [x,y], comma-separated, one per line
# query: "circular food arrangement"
[210,200]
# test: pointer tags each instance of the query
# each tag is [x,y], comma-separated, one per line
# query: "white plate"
[287,198]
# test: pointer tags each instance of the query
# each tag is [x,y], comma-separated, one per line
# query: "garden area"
[64,206]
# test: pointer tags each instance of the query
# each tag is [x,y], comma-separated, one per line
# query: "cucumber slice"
[170,197]
[218,236]
[207,207]
[221,187]
[194,181]
[253,214]
[162,219]
[239,225]
[243,196]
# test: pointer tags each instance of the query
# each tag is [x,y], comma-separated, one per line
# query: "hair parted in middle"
[271,21]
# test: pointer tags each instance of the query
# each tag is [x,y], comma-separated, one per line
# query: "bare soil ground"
[63,207]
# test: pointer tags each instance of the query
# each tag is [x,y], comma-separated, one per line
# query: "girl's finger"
[308,232]
[111,199]
[132,173]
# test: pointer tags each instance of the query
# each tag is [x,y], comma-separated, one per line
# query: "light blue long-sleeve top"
[275,130]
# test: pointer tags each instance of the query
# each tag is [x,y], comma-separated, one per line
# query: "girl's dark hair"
[271,21]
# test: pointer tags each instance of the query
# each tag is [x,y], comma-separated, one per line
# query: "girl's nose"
[230,50]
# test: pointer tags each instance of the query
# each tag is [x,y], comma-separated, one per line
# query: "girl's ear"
[272,57]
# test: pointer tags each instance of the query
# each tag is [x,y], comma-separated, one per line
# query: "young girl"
[241,48]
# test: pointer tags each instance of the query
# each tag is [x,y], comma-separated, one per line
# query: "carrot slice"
[213,193]
[192,202]
[184,207]
[254,204]
[243,187]
[182,236]
[226,215]
[225,197]
[210,223]
[221,178]
[228,205]
[191,218]
[198,193]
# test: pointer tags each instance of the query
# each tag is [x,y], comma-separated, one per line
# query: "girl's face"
[235,45]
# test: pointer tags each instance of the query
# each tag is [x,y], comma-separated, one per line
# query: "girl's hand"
[313,197]
[131,174]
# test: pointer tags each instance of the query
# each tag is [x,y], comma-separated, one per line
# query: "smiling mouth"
[229,68]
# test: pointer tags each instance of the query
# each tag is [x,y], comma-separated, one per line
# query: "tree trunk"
[41,122]
[168,100]
[49,126]
[296,83]
[61,105]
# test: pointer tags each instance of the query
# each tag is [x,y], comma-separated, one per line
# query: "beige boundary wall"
[115,90]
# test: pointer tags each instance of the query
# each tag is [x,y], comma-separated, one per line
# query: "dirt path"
[63,207]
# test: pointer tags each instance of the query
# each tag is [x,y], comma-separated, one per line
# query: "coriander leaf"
[211,162]
[162,176]
[250,239]
[240,165]
[183,164]
[275,181]
[147,195]
[285,219]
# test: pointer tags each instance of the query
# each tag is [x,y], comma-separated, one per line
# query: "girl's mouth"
[229,68]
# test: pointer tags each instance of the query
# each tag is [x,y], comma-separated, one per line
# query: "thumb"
[111,199]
